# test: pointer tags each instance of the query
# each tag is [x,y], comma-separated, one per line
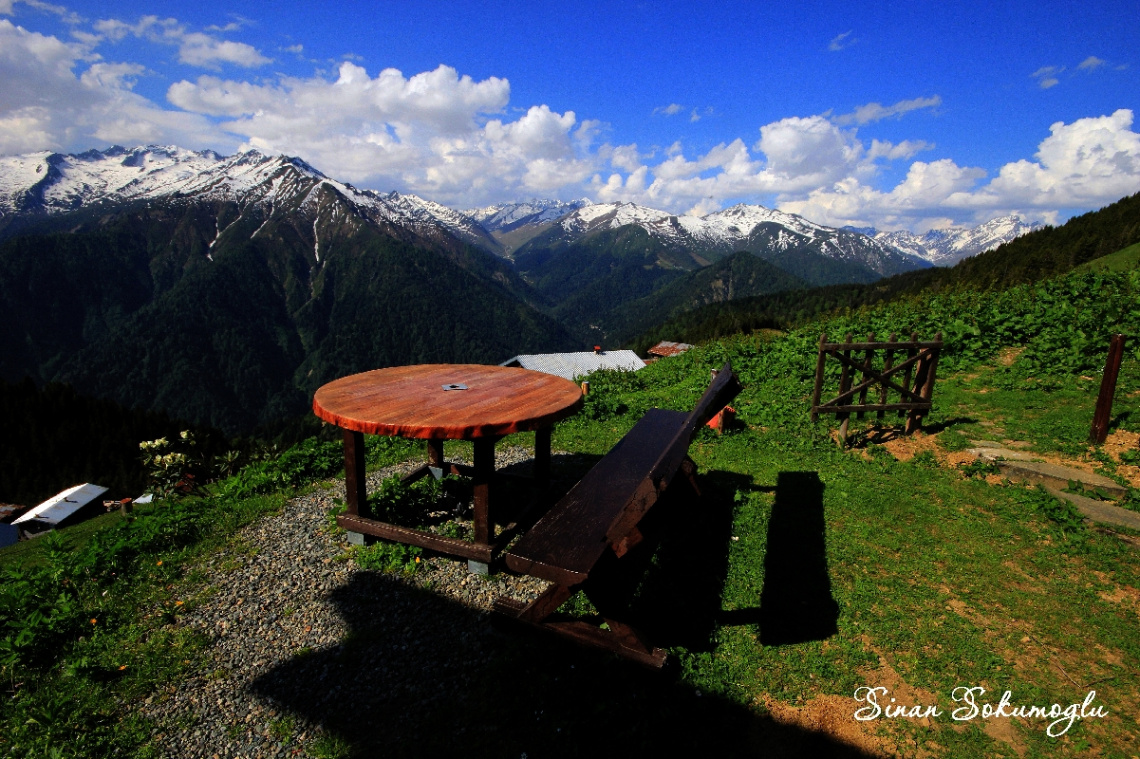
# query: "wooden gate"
[905,388]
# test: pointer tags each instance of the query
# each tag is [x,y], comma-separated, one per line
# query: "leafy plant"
[979,468]
[171,466]
[403,503]
[396,558]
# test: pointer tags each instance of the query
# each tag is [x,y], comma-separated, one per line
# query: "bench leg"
[620,638]
[538,609]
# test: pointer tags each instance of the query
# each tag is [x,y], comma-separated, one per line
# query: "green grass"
[1122,260]
[803,573]
[30,552]
[1051,414]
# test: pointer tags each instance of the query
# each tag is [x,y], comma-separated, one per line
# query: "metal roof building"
[669,348]
[572,365]
[62,505]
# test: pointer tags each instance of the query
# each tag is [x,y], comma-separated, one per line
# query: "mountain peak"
[946,247]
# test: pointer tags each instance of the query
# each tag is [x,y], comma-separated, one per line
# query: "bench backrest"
[724,387]
[605,506]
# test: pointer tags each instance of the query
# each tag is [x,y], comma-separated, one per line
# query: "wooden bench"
[577,543]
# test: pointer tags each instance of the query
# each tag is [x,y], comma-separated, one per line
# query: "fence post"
[1103,414]
[888,362]
[818,378]
[844,385]
[924,383]
[868,359]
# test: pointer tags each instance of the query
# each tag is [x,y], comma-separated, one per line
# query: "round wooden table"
[438,402]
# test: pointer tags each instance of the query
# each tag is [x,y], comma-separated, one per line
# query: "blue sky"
[908,115]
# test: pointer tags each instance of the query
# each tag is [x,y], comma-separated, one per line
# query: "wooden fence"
[905,388]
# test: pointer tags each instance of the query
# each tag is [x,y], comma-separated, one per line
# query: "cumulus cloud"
[793,157]
[45,105]
[459,140]
[1086,164]
[436,132]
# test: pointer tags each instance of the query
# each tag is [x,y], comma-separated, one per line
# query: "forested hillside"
[1033,257]
[153,308]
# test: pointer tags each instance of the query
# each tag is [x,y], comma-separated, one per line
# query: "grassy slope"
[940,580]
[910,574]
[1122,260]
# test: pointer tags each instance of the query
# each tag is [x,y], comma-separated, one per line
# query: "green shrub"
[389,557]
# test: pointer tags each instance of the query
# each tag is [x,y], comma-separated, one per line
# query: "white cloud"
[810,148]
[872,112]
[892,152]
[1086,164]
[45,105]
[841,41]
[194,48]
[1046,76]
[457,140]
[199,49]
[433,133]
[1092,63]
[8,8]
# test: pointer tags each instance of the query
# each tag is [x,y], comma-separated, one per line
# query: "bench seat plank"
[567,542]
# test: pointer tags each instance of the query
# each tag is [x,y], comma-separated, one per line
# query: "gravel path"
[282,603]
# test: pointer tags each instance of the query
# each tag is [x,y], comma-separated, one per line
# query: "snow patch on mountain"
[507,216]
[946,247]
[55,183]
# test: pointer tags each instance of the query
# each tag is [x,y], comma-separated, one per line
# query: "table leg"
[355,486]
[484,472]
[542,455]
[435,457]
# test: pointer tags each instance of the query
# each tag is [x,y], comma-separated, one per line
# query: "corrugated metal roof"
[62,505]
[668,348]
[572,365]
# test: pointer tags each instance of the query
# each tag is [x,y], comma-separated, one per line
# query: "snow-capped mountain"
[512,225]
[49,183]
[505,217]
[946,247]
[763,231]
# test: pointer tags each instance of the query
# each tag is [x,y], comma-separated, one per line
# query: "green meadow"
[808,583]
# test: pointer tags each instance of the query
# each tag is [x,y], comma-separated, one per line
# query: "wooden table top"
[410,401]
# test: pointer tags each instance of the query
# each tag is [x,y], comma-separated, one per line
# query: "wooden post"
[910,353]
[923,384]
[888,362]
[844,385]
[355,484]
[818,378]
[1103,415]
[484,466]
[868,359]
